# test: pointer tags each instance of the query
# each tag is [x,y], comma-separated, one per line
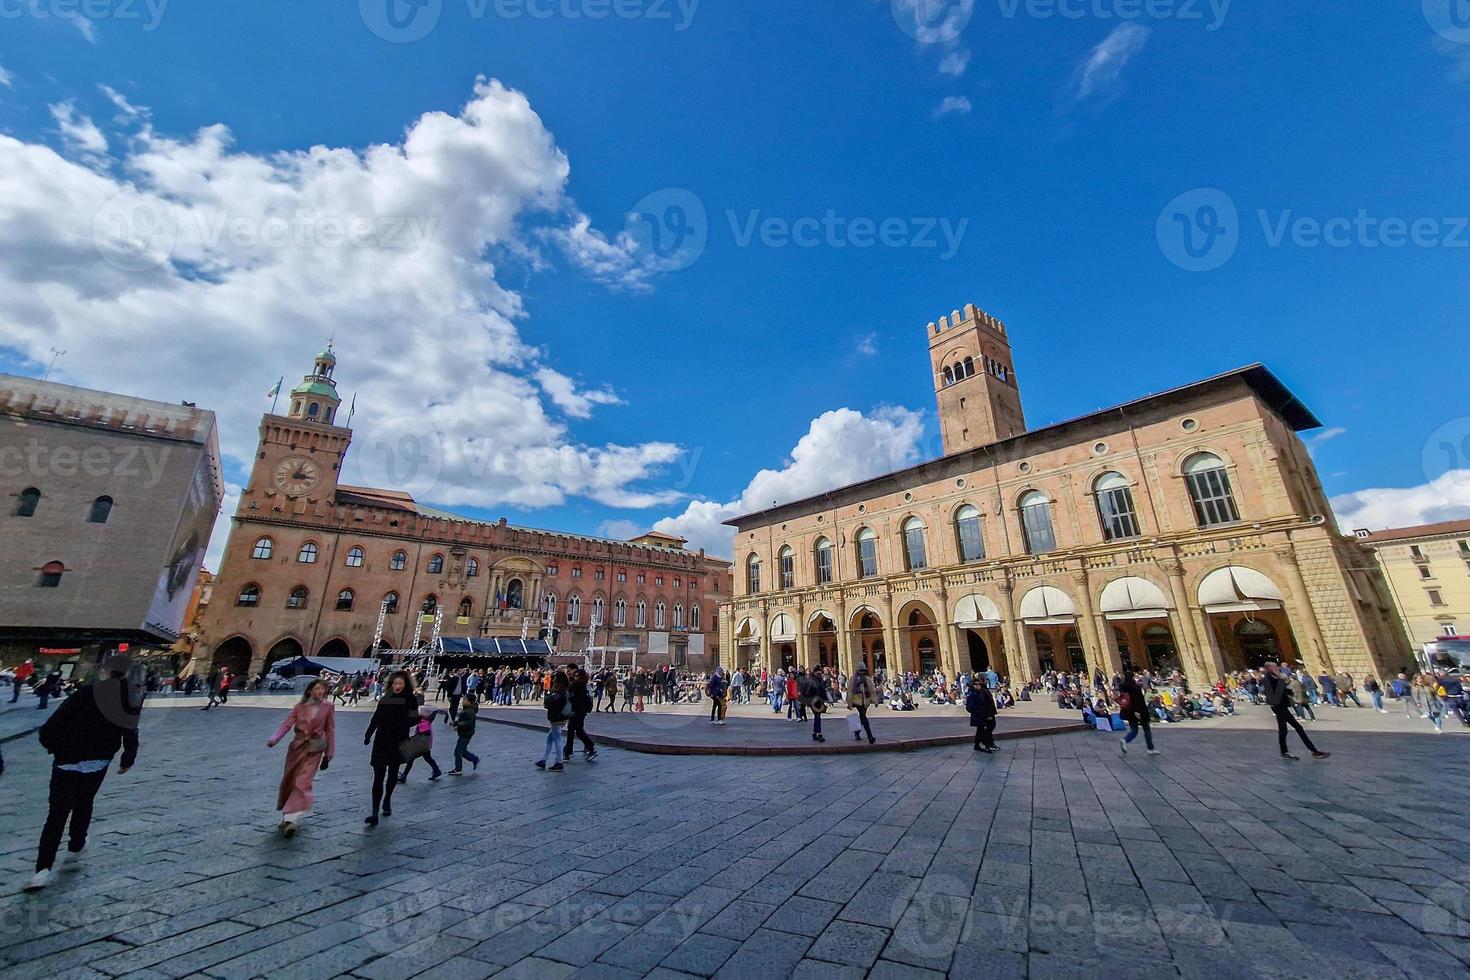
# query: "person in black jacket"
[393,721]
[83,736]
[980,703]
[581,707]
[1278,695]
[1135,712]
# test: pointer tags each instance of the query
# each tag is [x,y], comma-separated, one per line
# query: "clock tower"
[299,458]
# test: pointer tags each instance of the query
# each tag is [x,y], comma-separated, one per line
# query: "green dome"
[327,355]
[315,387]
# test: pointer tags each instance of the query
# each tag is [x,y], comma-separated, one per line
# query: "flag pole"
[276,394]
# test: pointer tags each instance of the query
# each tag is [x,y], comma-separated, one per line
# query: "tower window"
[390,603]
[249,596]
[436,564]
[313,410]
[399,561]
[263,548]
[307,554]
[344,600]
[354,558]
[51,574]
[30,497]
[101,510]
[298,598]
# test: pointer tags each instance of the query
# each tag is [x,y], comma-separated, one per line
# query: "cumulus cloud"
[1445,498]
[78,132]
[126,111]
[952,105]
[937,24]
[840,447]
[620,530]
[867,345]
[182,267]
[1098,73]
[7,78]
[955,63]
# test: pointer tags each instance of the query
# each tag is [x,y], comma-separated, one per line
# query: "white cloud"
[216,553]
[620,530]
[126,111]
[1098,73]
[955,63]
[952,105]
[184,268]
[77,131]
[563,392]
[7,78]
[933,22]
[867,345]
[1319,439]
[840,447]
[1445,498]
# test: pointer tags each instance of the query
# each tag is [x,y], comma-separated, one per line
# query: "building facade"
[313,565]
[1183,530]
[1428,571]
[109,502]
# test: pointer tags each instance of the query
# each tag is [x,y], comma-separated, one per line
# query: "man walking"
[22,675]
[1278,696]
[1135,712]
[581,703]
[83,736]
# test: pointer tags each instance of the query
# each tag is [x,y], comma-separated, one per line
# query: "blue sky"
[575,371]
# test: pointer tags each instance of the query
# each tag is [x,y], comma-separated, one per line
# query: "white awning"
[1047,605]
[749,631]
[975,611]
[1133,598]
[856,615]
[1236,588]
[820,613]
[783,628]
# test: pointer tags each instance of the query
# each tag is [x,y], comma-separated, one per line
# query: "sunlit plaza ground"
[1059,856]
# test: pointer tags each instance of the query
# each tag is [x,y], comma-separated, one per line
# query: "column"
[1202,667]
[1093,626]
[766,647]
[947,655]
[897,659]
[1017,653]
[802,653]
[845,659]
[1302,617]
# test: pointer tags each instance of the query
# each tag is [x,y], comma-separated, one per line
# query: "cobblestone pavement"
[1059,857]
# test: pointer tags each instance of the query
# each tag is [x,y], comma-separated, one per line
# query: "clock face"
[296,475]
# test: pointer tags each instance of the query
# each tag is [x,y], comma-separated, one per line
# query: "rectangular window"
[913,543]
[824,566]
[788,571]
[868,557]
[1036,522]
[622,575]
[1435,598]
[1213,502]
[1424,572]
[972,545]
[1416,552]
[1118,519]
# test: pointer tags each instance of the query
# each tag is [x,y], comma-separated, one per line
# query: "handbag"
[854,723]
[317,745]
[413,747]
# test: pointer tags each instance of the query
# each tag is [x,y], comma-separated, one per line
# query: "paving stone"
[803,916]
[849,943]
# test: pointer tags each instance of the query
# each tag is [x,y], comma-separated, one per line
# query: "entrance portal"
[979,653]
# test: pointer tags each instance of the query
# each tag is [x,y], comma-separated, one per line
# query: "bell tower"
[299,457]
[974,380]
[315,399]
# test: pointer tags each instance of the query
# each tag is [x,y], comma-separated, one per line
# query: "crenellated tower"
[974,380]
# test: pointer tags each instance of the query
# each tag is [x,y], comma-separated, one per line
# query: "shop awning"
[1235,588]
[1133,598]
[1047,605]
[783,628]
[492,646]
[976,611]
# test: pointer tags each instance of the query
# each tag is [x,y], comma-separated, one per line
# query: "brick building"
[311,563]
[1186,529]
[108,506]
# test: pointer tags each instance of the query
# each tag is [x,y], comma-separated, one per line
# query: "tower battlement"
[974,379]
[971,316]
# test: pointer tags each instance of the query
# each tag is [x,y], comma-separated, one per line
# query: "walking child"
[558,710]
[464,727]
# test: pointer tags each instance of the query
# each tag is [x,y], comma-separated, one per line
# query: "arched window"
[398,562]
[824,561]
[29,498]
[574,609]
[466,606]
[967,534]
[51,575]
[969,367]
[101,508]
[515,594]
[752,574]
[548,605]
[694,617]
[390,601]
[598,610]
[344,600]
[1209,490]
[658,615]
[263,548]
[472,568]
[1115,507]
[430,606]
[1036,523]
[678,615]
[948,375]
[354,558]
[786,561]
[913,544]
[307,554]
[298,598]
[867,556]
[641,619]
[436,564]
[249,596]
[313,410]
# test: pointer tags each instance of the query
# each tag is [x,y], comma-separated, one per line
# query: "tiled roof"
[1419,531]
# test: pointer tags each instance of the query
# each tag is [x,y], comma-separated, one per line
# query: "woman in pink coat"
[315,722]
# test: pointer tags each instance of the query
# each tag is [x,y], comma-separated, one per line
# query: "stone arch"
[235,653]
[335,647]
[286,648]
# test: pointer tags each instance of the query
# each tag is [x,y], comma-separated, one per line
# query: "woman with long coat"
[314,721]
[393,721]
[981,705]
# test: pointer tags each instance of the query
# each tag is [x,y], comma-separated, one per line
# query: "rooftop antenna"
[55,356]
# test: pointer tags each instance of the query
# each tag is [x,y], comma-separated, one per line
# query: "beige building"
[1186,529]
[108,506]
[313,565]
[1428,569]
